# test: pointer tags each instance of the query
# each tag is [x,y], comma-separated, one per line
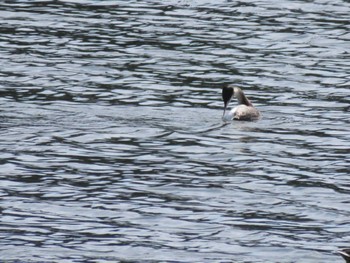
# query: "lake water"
[112,145]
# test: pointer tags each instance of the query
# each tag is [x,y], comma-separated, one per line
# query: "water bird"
[245,111]
[345,253]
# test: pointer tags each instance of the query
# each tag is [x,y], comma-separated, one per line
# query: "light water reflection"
[113,148]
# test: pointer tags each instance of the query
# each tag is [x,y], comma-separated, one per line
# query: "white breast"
[229,115]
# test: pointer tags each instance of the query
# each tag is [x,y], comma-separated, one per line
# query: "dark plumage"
[345,253]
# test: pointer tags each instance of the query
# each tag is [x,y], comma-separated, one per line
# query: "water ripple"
[113,148]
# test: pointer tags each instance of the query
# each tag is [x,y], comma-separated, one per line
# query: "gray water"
[112,145]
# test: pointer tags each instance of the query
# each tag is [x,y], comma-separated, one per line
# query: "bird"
[345,253]
[245,111]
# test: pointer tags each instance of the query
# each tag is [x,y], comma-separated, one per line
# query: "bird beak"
[227,93]
[225,106]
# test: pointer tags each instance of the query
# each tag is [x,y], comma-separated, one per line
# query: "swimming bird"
[345,253]
[245,111]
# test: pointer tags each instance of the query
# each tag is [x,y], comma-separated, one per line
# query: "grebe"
[345,253]
[245,111]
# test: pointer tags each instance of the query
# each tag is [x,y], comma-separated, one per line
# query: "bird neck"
[242,99]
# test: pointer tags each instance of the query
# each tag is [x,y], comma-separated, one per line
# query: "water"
[112,145]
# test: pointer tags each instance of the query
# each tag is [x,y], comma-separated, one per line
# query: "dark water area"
[113,148]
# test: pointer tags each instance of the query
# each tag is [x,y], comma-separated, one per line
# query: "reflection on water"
[112,145]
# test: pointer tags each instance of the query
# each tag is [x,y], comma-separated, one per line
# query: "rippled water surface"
[112,145]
